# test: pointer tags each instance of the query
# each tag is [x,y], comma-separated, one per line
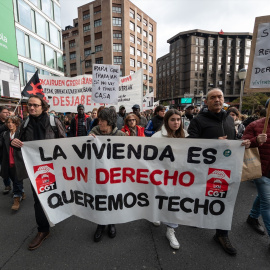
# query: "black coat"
[208,125]
[18,159]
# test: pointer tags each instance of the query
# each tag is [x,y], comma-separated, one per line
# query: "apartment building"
[111,32]
[200,60]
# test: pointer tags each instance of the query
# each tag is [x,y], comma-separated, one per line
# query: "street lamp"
[81,61]
[242,74]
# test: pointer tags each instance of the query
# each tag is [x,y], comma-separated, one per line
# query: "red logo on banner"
[45,178]
[216,185]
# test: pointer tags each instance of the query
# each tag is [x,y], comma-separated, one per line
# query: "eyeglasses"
[129,120]
[33,105]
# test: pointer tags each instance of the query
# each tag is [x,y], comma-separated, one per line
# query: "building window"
[145,45]
[132,38]
[145,22]
[139,64]
[117,21]
[144,77]
[97,9]
[132,50]
[139,29]
[144,55]
[150,77]
[144,33]
[139,52]
[150,38]
[117,8]
[131,26]
[150,27]
[24,14]
[35,48]
[75,33]
[64,57]
[72,56]
[88,63]
[98,35]
[49,53]
[145,66]
[150,48]
[117,60]
[211,42]
[151,59]
[132,72]
[87,39]
[132,62]
[86,27]
[99,60]
[117,35]
[117,47]
[248,42]
[98,48]
[220,42]
[72,44]
[97,23]
[73,66]
[87,52]
[139,41]
[139,17]
[131,13]
[86,15]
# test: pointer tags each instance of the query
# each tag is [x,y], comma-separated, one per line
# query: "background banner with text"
[64,94]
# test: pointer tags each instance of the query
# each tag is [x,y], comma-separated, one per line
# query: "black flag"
[33,87]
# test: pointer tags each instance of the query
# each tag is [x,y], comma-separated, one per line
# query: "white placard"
[106,83]
[260,75]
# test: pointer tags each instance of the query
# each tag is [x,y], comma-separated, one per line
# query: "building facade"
[111,32]
[39,37]
[200,60]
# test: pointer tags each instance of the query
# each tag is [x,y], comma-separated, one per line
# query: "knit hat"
[79,106]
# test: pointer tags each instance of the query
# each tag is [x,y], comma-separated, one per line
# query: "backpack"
[52,124]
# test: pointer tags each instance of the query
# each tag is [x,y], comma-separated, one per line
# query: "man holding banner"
[261,206]
[214,123]
[38,127]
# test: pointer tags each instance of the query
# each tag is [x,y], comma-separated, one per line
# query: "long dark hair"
[179,133]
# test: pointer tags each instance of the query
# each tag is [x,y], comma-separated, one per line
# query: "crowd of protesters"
[210,122]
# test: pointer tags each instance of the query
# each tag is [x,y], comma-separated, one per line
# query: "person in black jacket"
[11,159]
[37,127]
[213,122]
[4,113]
[80,124]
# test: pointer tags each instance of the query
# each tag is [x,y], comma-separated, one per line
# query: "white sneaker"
[171,237]
[157,223]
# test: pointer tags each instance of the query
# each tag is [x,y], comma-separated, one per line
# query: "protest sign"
[258,73]
[110,180]
[64,94]
[105,83]
[148,101]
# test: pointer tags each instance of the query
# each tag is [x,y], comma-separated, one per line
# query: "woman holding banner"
[131,127]
[172,128]
[106,127]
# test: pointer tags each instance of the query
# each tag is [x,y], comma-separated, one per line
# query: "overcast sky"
[174,16]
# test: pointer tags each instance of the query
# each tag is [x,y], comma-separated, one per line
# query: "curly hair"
[15,120]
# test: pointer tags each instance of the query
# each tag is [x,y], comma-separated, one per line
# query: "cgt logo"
[217,185]
[45,178]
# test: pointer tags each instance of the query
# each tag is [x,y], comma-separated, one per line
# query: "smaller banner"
[105,83]
[110,180]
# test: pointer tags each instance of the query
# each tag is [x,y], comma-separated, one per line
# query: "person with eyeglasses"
[131,127]
[37,127]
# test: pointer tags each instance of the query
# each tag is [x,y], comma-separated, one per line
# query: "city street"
[138,245]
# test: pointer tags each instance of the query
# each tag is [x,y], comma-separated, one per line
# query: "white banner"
[106,83]
[148,101]
[111,180]
[64,94]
